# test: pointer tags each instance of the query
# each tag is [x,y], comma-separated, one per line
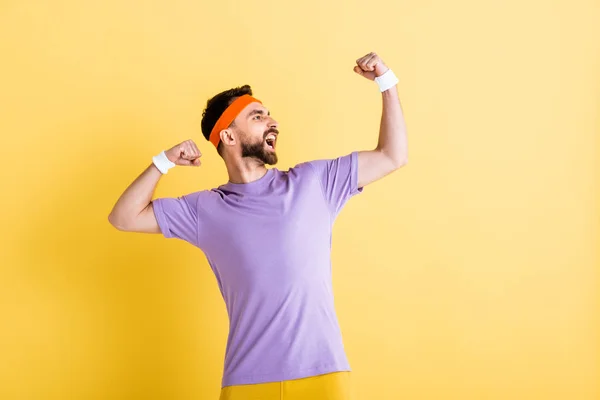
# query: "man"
[266,234]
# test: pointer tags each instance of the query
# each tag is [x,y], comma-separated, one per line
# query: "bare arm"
[133,211]
[391,152]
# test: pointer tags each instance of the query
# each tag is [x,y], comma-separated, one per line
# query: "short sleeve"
[339,179]
[177,217]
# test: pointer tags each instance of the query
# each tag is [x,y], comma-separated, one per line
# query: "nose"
[273,123]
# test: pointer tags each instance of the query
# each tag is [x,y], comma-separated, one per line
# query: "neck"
[245,170]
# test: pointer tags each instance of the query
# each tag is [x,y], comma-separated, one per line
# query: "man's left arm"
[391,151]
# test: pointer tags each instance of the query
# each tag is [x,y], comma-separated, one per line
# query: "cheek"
[258,131]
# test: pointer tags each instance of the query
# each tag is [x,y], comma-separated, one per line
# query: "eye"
[257,116]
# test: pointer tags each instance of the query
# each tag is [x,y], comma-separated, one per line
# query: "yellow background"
[470,273]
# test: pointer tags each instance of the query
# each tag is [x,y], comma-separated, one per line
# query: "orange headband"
[229,115]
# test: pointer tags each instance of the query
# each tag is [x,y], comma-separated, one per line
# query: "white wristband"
[387,80]
[162,162]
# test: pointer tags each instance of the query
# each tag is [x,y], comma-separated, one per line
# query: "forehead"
[254,108]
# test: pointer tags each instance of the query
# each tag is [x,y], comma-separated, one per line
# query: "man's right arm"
[133,211]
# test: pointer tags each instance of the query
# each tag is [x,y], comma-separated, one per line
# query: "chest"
[283,237]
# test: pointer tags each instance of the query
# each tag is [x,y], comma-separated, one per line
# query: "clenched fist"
[185,153]
[370,66]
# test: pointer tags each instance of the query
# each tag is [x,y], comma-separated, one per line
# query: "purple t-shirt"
[268,243]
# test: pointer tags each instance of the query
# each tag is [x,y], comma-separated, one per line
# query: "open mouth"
[271,140]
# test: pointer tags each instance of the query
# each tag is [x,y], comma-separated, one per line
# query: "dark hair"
[217,105]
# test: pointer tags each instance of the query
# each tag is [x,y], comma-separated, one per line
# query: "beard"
[259,151]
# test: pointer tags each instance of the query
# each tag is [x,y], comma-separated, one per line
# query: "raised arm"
[133,211]
[391,152]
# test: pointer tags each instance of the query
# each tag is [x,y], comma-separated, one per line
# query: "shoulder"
[301,167]
[324,165]
[304,169]
[189,200]
[197,196]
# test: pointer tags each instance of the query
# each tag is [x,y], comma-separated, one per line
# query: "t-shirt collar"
[251,187]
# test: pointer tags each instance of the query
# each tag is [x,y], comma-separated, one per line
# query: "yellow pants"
[331,386]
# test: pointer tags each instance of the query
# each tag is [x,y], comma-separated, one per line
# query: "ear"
[228,137]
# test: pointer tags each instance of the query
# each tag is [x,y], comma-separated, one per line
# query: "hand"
[185,153]
[370,66]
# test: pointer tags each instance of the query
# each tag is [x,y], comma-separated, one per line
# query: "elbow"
[116,222]
[401,162]
[398,162]
[113,220]
[395,160]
